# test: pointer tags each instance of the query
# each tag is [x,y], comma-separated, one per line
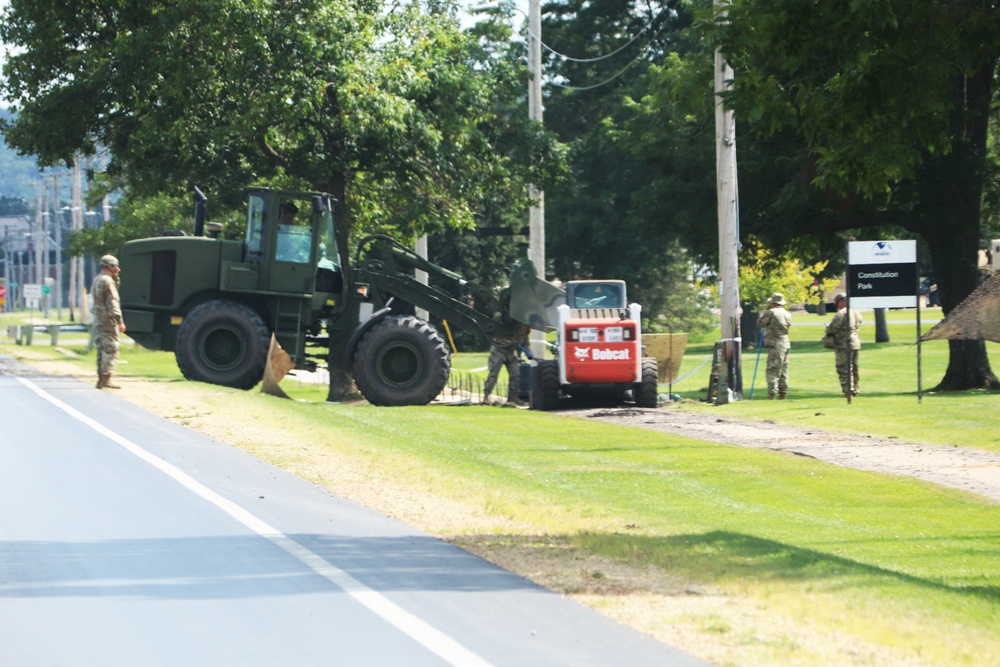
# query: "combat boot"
[104,382]
[781,397]
[770,397]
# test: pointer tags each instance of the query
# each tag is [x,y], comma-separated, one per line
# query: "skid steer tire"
[545,394]
[223,342]
[645,391]
[401,360]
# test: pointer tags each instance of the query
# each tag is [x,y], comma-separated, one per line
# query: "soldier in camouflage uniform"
[776,321]
[504,353]
[108,322]
[847,344]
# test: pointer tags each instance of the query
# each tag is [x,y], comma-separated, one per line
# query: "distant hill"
[17,174]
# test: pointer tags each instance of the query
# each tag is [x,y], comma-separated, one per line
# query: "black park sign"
[882,274]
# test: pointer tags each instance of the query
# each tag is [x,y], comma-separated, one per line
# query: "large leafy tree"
[392,110]
[889,105]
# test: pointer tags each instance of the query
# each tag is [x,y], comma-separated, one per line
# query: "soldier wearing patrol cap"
[847,344]
[776,321]
[108,322]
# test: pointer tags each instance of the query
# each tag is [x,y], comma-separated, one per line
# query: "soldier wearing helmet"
[108,321]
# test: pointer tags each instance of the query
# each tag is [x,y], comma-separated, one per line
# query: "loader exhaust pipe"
[199,212]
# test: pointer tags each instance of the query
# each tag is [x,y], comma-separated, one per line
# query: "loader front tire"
[401,360]
[223,342]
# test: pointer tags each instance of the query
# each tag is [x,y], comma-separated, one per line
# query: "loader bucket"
[277,366]
[532,300]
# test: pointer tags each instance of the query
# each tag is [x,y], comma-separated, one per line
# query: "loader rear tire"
[545,393]
[645,391]
[223,342]
[401,360]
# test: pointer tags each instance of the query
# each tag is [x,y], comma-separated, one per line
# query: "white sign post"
[883,274]
[32,295]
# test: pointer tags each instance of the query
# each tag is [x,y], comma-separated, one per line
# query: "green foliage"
[404,118]
[135,218]
[889,101]
[13,206]
[763,273]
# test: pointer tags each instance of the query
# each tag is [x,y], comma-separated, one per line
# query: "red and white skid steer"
[599,351]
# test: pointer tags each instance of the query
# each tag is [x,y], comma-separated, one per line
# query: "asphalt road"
[128,540]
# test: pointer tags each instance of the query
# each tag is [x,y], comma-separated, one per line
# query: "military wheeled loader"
[215,302]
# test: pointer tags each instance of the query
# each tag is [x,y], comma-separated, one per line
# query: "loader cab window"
[598,295]
[329,258]
[329,277]
[255,228]
[294,243]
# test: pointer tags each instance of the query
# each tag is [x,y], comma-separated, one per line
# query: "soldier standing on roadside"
[776,321]
[108,321]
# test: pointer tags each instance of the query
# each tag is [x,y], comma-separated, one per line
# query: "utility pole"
[36,233]
[56,220]
[729,236]
[76,209]
[536,214]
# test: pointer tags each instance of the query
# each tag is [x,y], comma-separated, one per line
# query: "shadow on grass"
[721,557]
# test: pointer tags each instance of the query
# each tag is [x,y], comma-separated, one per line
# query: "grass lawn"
[894,570]
[889,405]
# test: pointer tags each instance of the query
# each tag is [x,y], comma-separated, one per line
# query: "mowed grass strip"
[892,561]
[889,405]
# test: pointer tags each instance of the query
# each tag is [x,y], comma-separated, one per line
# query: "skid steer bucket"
[532,300]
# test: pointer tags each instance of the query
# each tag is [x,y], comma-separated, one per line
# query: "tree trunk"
[342,386]
[968,367]
[748,326]
[881,326]
[951,189]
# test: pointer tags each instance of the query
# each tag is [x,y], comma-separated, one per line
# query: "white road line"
[426,635]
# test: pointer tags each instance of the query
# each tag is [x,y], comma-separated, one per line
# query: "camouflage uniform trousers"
[500,357]
[846,386]
[777,367]
[107,345]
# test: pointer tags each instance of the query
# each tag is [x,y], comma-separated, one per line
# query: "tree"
[892,104]
[400,115]
[394,113]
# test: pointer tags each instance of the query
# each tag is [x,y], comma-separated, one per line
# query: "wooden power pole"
[729,235]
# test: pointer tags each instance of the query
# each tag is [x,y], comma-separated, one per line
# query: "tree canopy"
[404,118]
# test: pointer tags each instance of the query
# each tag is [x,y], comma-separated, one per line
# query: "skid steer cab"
[599,352]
